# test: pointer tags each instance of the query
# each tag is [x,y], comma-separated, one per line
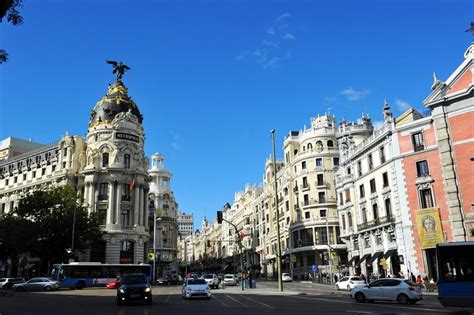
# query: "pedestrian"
[413,279]
[335,278]
[419,281]
[363,277]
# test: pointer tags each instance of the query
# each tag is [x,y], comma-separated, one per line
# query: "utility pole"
[280,282]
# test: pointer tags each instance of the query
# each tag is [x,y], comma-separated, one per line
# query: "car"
[113,284]
[348,282]
[195,288]
[37,284]
[229,279]
[212,280]
[286,277]
[7,283]
[176,279]
[163,281]
[390,289]
[134,287]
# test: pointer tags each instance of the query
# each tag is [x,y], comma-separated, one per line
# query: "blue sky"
[213,77]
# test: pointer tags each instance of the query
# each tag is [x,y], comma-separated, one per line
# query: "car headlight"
[148,290]
[121,290]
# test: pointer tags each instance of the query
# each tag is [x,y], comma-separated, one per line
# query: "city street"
[298,298]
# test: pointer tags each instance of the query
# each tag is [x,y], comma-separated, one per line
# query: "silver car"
[401,290]
[37,284]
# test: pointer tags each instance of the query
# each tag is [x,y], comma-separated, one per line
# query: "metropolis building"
[108,168]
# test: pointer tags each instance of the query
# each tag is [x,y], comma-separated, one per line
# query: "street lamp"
[280,282]
[152,208]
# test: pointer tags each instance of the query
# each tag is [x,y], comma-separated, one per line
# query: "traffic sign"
[314,268]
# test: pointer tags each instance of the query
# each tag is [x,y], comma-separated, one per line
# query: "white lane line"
[269,306]
[236,300]
[358,312]
[167,298]
[215,297]
[374,304]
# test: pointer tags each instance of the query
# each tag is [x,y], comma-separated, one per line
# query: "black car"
[134,287]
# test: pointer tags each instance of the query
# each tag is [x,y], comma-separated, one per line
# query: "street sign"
[314,268]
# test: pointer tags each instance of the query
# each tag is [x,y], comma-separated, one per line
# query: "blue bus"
[81,275]
[455,263]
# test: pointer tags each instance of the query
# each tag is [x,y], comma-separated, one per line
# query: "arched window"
[330,144]
[126,160]
[105,159]
[319,145]
[310,146]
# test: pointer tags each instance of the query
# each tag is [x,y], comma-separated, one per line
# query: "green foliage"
[46,218]
[9,8]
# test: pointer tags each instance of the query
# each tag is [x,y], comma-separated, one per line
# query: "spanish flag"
[132,184]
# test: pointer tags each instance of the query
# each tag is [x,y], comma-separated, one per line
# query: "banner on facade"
[430,230]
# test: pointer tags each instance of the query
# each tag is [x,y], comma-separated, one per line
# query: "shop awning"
[390,253]
[353,259]
[366,256]
[374,257]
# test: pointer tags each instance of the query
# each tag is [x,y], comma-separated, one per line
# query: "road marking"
[215,297]
[358,312]
[236,300]
[167,298]
[257,301]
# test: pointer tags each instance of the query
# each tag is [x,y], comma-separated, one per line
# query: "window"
[335,161]
[102,214]
[372,186]
[363,215]
[306,199]
[375,211]
[305,182]
[15,180]
[343,222]
[322,197]
[361,191]
[366,242]
[385,179]
[65,152]
[303,165]
[126,192]
[359,168]
[330,143]
[426,198]
[320,179]
[341,199]
[105,159]
[417,139]
[422,168]
[307,215]
[348,170]
[12,205]
[126,160]
[370,162]
[348,195]
[322,213]
[24,176]
[3,208]
[126,217]
[103,191]
[43,171]
[388,208]
[33,175]
[319,162]
[382,155]
[349,219]
[378,240]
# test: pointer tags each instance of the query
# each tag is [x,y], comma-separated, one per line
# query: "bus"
[81,275]
[455,263]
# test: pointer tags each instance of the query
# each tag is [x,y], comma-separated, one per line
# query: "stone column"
[140,206]
[92,196]
[87,186]
[110,208]
[69,157]
[118,205]
[145,209]
[136,208]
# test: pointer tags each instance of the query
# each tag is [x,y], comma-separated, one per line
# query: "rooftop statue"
[119,68]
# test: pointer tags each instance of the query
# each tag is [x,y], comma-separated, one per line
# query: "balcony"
[374,223]
[304,187]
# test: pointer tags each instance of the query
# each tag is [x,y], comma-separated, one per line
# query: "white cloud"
[402,105]
[271,31]
[288,36]
[378,124]
[282,17]
[354,95]
[268,43]
[272,64]
[176,141]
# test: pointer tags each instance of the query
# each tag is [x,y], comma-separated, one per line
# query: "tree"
[9,8]
[53,213]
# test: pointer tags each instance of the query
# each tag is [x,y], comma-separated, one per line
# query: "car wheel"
[47,288]
[403,299]
[360,297]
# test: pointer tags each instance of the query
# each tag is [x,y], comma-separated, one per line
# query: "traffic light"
[219,217]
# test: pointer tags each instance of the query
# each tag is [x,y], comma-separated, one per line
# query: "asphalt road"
[296,299]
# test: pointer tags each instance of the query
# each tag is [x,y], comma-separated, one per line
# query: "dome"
[114,102]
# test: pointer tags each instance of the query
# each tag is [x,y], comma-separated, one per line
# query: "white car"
[229,279]
[348,283]
[286,277]
[196,288]
[211,280]
[390,289]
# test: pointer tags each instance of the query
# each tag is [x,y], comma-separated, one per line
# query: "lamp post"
[152,207]
[280,282]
